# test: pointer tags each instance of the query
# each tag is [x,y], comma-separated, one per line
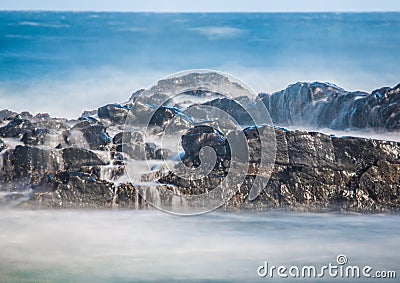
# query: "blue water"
[81,60]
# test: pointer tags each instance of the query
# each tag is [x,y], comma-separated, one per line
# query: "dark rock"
[75,158]
[2,145]
[200,136]
[162,153]
[150,150]
[116,113]
[42,117]
[16,128]
[71,190]
[7,114]
[134,151]
[165,115]
[94,133]
[324,105]
[312,172]
[35,136]
[128,137]
[232,108]
[30,162]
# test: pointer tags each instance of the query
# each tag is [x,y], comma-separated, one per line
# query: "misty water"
[65,63]
[126,246]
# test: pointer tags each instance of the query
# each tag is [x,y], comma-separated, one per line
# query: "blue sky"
[205,5]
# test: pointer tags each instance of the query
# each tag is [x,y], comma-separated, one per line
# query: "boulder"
[323,105]
[116,113]
[75,158]
[16,128]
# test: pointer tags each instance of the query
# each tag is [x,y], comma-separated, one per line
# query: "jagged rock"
[324,105]
[16,128]
[71,190]
[312,172]
[232,108]
[94,133]
[162,153]
[88,113]
[200,136]
[30,162]
[35,136]
[164,115]
[114,112]
[75,158]
[7,114]
[128,137]
[134,151]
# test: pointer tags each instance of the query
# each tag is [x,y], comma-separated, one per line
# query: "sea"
[63,63]
[73,61]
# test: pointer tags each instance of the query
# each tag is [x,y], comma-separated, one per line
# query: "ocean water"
[151,246]
[66,62]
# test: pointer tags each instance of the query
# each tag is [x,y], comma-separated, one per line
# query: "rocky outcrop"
[312,172]
[325,105]
[82,163]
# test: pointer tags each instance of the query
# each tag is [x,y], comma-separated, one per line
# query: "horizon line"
[200,12]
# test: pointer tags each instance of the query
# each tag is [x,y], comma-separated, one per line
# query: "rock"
[2,145]
[116,113]
[312,172]
[134,151]
[7,114]
[16,128]
[94,133]
[324,105]
[30,162]
[88,113]
[162,153]
[71,190]
[170,116]
[232,108]
[200,136]
[75,158]
[128,137]
[35,136]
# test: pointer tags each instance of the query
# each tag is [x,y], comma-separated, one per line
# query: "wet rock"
[231,107]
[128,137]
[325,105]
[75,158]
[201,136]
[35,136]
[170,116]
[71,190]
[114,112]
[312,172]
[16,128]
[94,133]
[162,153]
[134,151]
[30,162]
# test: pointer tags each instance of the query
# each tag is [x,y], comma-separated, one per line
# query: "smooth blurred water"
[50,60]
[133,246]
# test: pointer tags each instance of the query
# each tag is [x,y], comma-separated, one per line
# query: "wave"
[37,24]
